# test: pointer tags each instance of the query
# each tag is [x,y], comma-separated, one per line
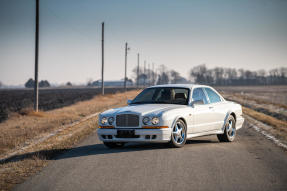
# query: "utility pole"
[138,70]
[126,57]
[153,81]
[148,72]
[144,73]
[36,85]
[103,86]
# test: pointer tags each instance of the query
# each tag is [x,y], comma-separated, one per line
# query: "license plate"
[125,133]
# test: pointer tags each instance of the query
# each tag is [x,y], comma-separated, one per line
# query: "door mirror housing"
[197,102]
[129,101]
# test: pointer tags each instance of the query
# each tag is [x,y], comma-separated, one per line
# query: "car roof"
[190,86]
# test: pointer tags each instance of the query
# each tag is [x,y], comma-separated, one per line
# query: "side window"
[213,97]
[198,94]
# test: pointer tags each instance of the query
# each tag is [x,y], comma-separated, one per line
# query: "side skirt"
[213,132]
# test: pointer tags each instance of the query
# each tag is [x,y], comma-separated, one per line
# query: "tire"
[112,145]
[229,131]
[178,134]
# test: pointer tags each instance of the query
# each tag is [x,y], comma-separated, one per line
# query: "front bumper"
[144,135]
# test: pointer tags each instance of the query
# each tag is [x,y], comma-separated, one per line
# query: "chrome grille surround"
[127,120]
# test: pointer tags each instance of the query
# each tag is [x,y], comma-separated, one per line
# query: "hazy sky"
[177,33]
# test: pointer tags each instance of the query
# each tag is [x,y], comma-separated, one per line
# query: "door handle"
[210,107]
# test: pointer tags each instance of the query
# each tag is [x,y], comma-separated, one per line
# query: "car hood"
[143,109]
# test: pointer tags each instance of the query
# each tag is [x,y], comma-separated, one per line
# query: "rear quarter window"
[212,95]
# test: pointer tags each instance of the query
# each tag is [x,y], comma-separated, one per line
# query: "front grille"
[127,120]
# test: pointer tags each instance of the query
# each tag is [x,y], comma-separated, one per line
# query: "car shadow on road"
[94,149]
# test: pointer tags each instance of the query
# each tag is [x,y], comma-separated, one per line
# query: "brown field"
[35,138]
[19,100]
[269,94]
[267,104]
[270,100]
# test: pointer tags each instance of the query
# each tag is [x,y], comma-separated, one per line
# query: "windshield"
[165,95]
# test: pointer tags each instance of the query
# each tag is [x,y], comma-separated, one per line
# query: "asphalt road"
[250,163]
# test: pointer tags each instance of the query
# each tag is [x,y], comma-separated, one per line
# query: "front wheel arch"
[178,139]
[176,119]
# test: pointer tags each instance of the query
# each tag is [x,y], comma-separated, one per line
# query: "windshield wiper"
[139,102]
[154,102]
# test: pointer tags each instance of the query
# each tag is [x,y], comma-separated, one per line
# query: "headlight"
[145,120]
[155,120]
[111,120]
[104,120]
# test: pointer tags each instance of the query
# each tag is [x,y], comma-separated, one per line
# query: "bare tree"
[198,73]
[69,84]
[163,76]
[261,73]
[175,77]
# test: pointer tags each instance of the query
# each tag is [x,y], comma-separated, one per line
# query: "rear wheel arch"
[229,113]
[233,115]
[229,131]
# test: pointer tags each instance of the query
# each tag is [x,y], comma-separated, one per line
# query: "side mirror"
[197,102]
[129,101]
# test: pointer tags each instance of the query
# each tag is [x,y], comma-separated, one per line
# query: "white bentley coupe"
[172,114]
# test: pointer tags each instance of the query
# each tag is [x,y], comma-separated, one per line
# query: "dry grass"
[258,100]
[278,124]
[20,129]
[18,168]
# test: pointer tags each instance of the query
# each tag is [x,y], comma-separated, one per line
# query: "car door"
[217,108]
[200,117]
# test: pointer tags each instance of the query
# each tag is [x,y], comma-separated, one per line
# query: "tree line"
[230,76]
[214,76]
[200,74]
[43,83]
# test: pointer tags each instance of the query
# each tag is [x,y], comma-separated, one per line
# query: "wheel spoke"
[176,138]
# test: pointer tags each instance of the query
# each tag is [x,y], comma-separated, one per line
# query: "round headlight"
[111,120]
[155,120]
[145,120]
[104,120]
